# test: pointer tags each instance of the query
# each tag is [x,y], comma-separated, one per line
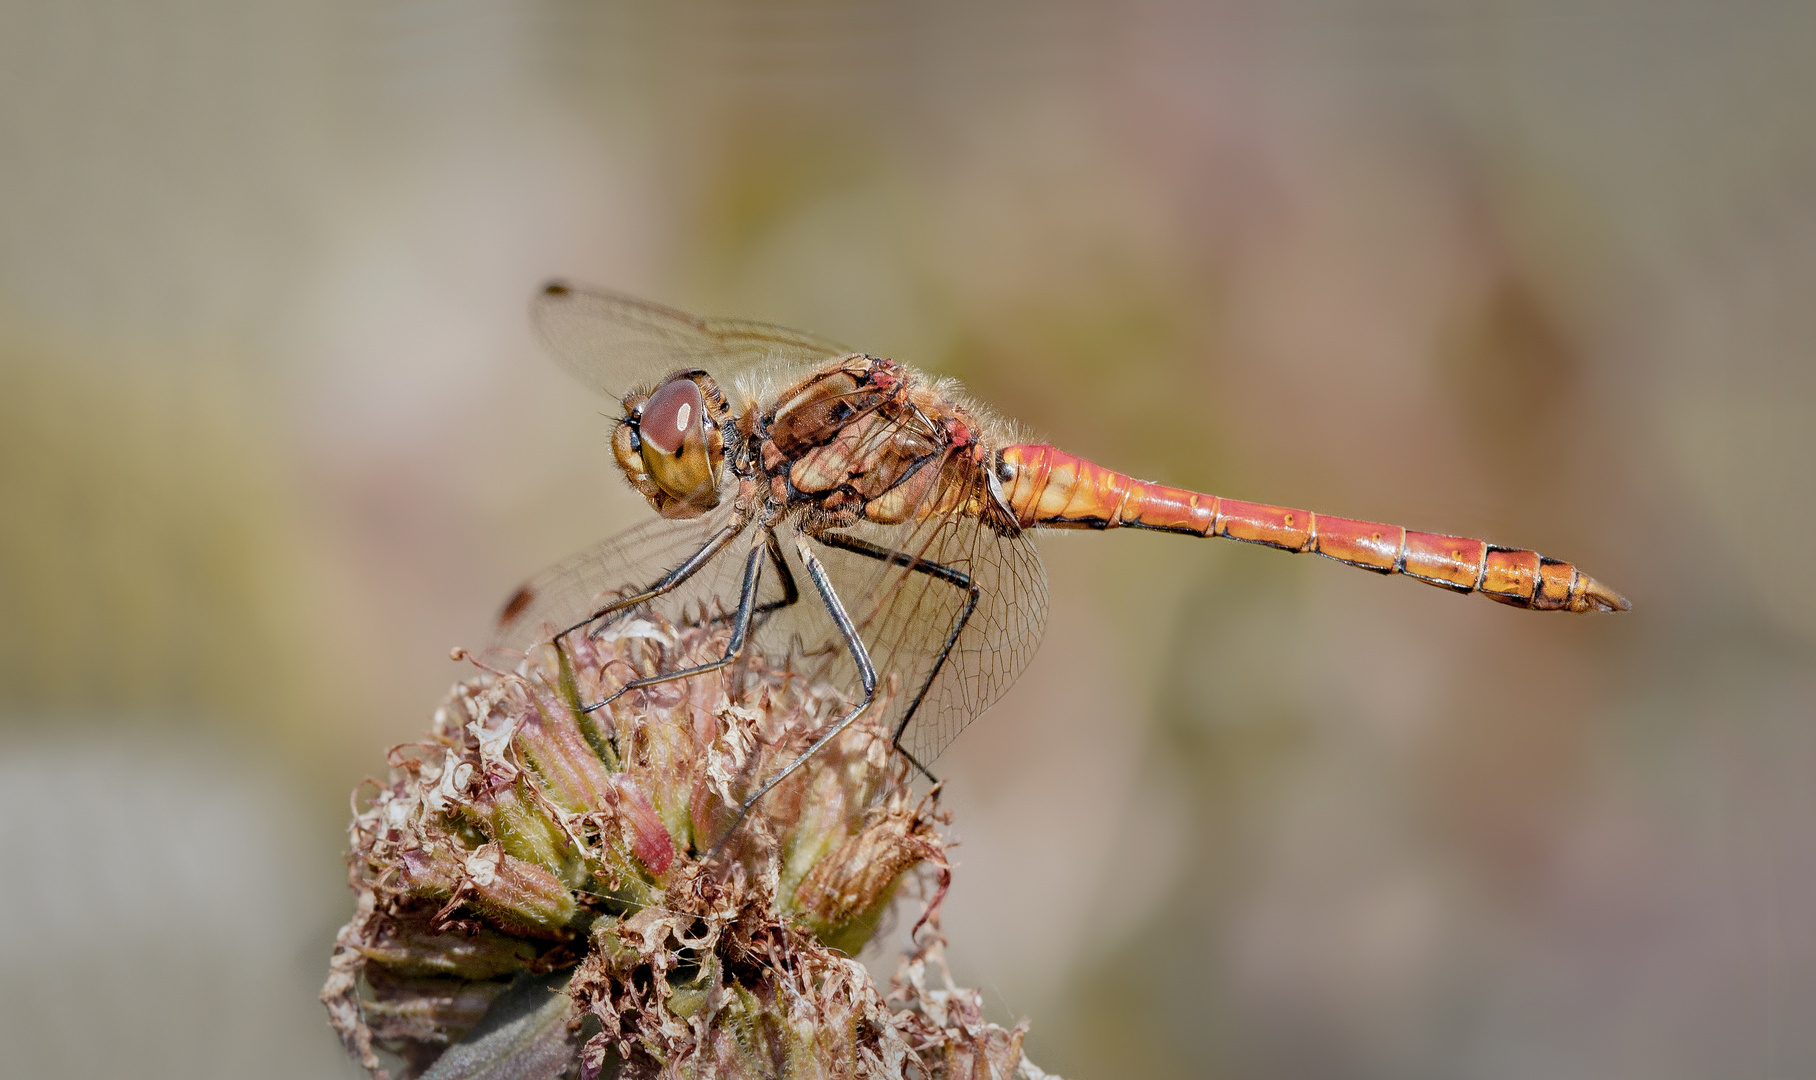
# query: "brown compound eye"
[673,412]
[682,449]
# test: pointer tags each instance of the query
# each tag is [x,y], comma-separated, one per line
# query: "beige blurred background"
[274,435]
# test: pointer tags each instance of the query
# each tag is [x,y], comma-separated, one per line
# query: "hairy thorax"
[866,439]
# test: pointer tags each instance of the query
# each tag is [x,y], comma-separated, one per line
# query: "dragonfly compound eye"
[671,414]
[680,447]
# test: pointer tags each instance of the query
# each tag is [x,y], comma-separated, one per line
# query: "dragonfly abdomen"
[1045,487]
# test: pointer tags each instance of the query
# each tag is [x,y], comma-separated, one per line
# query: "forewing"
[616,343]
[622,565]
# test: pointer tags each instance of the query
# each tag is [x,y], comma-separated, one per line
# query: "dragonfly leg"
[668,582]
[740,632]
[935,570]
[791,595]
[866,670]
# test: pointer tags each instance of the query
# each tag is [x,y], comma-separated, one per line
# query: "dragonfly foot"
[614,696]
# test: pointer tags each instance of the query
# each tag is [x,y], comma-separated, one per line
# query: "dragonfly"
[771,455]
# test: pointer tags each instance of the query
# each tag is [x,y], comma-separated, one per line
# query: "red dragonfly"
[907,506]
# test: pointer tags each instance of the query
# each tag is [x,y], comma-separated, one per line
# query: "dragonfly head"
[671,443]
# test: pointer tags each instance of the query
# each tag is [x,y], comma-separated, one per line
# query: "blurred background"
[274,435]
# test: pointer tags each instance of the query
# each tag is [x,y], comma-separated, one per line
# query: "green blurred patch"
[767,170]
[147,565]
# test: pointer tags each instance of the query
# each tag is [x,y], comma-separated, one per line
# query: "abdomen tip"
[1595,596]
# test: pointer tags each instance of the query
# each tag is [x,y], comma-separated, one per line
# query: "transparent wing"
[913,613]
[621,565]
[615,343]
[905,617]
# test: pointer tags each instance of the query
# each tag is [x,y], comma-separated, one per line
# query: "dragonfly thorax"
[867,439]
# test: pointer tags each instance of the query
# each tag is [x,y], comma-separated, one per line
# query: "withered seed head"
[523,836]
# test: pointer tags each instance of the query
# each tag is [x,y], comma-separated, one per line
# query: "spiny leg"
[935,570]
[866,671]
[667,583]
[740,631]
[791,595]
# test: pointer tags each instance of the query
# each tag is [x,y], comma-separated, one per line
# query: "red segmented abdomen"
[1045,487]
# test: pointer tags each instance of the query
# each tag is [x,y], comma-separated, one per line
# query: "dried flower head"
[525,847]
